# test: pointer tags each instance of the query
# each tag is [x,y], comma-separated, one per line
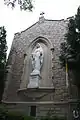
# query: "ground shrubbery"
[53,118]
[15,115]
[12,115]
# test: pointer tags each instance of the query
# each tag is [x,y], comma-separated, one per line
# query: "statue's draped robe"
[37,59]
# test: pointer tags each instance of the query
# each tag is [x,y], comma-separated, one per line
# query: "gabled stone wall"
[52,31]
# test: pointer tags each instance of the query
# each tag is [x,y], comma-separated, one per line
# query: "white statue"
[37,59]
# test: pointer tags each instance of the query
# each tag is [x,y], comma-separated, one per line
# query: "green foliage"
[53,118]
[3,47]
[16,115]
[12,115]
[3,112]
[3,50]
[29,118]
[70,48]
[6,115]
[24,4]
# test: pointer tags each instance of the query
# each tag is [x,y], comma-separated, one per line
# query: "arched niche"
[46,76]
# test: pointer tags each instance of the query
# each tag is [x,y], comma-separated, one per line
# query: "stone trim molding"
[43,102]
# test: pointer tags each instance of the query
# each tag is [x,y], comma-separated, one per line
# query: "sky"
[16,20]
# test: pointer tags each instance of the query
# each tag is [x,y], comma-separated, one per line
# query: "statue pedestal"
[35,93]
[34,81]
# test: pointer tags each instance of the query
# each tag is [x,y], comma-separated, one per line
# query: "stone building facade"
[52,95]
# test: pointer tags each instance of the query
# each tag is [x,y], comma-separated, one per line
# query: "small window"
[33,111]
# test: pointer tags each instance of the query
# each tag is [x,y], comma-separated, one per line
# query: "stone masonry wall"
[54,31]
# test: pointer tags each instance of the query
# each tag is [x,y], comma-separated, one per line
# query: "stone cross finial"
[41,18]
[42,13]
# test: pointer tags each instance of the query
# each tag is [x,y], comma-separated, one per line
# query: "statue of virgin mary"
[37,59]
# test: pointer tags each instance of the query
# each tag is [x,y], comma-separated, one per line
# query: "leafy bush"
[15,115]
[3,112]
[53,118]
[12,115]
[29,118]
